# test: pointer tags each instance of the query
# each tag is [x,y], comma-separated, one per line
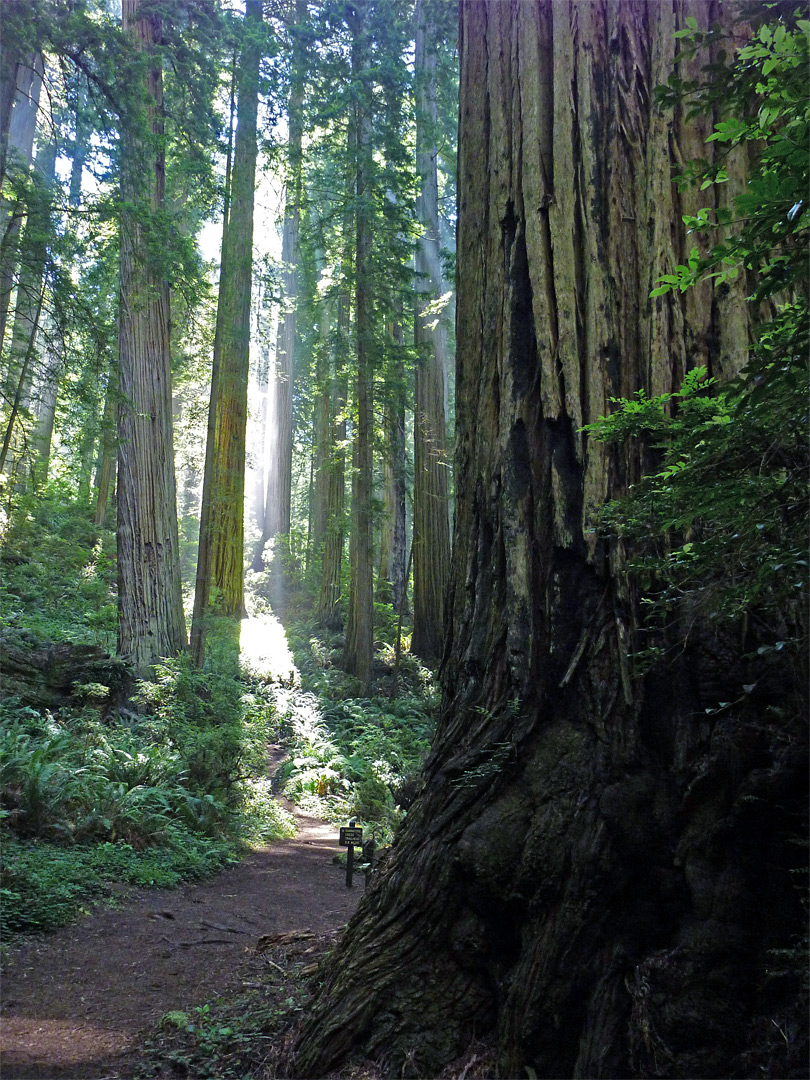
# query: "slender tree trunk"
[46,398]
[202,586]
[321,450]
[81,147]
[431,526]
[22,128]
[227,499]
[391,577]
[23,380]
[332,564]
[105,473]
[575,887]
[359,647]
[31,286]
[150,603]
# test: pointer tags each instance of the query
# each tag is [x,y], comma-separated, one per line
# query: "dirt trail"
[75,1001]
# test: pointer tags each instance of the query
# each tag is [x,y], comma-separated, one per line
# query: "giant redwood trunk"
[582,883]
[151,624]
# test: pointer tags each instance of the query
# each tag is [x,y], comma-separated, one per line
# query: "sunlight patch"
[264,649]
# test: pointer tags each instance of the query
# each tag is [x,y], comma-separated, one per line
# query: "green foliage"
[763,92]
[155,799]
[58,571]
[351,756]
[43,885]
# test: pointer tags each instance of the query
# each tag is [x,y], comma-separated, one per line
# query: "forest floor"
[137,989]
[81,1001]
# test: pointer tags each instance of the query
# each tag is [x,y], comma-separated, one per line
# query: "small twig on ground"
[272,963]
[226,929]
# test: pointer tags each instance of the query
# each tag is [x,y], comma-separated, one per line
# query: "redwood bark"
[151,624]
[581,883]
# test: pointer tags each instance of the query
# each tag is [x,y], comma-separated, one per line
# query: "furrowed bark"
[150,604]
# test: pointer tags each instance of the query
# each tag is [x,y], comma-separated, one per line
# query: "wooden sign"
[351,836]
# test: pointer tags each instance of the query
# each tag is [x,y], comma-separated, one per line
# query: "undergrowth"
[173,785]
[350,756]
[57,578]
[169,793]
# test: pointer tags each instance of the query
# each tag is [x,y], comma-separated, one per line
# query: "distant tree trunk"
[332,563]
[431,524]
[581,884]
[20,393]
[105,473]
[321,451]
[31,286]
[391,577]
[46,398]
[150,602]
[227,499]
[22,128]
[279,478]
[359,647]
[202,584]
[80,149]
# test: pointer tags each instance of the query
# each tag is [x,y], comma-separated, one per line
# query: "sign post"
[348,838]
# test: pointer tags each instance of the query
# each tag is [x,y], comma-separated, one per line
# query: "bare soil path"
[76,1002]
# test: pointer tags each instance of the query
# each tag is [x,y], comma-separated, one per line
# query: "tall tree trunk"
[391,577]
[105,473]
[20,393]
[321,450]
[80,149]
[431,525]
[581,882]
[332,564]
[22,128]
[279,479]
[359,646]
[31,286]
[227,510]
[151,624]
[202,584]
[46,397]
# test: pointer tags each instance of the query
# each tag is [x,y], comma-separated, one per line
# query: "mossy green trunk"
[227,489]
[581,886]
